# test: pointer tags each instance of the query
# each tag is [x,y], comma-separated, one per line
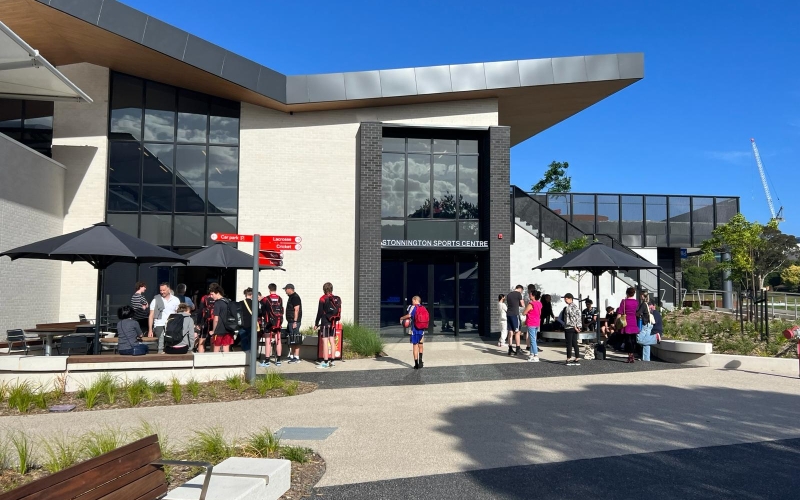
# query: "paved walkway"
[531,416]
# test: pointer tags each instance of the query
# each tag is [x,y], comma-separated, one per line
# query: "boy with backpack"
[419,319]
[225,319]
[273,311]
[179,333]
[329,313]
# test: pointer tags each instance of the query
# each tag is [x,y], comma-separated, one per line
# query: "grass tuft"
[21,396]
[158,387]
[193,386]
[5,452]
[23,445]
[136,390]
[209,445]
[96,443]
[176,389]
[362,340]
[40,398]
[295,453]
[60,452]
[108,386]
[270,380]
[146,429]
[263,444]
[236,383]
[291,388]
[4,387]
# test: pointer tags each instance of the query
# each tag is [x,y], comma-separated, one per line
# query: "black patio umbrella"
[218,256]
[597,259]
[100,245]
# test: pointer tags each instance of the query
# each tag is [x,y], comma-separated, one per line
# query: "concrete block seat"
[559,335]
[239,478]
[683,352]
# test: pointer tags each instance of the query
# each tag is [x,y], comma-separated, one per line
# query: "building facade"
[396,180]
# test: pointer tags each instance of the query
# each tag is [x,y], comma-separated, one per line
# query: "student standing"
[417,334]
[246,308]
[328,313]
[572,326]
[294,314]
[502,310]
[651,333]
[628,307]
[533,320]
[187,340]
[222,338]
[274,313]
[161,307]
[140,307]
[514,303]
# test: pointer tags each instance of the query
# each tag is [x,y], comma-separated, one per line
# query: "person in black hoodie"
[246,306]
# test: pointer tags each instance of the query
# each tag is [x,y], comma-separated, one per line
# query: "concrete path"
[406,430]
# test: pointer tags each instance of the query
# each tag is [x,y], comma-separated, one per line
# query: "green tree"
[756,250]
[696,278]
[791,276]
[555,179]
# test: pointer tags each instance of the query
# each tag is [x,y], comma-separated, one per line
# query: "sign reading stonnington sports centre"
[435,243]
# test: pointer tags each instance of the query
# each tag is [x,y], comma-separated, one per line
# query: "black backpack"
[231,317]
[332,308]
[274,312]
[173,332]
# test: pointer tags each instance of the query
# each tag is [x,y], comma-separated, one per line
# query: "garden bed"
[108,392]
[24,459]
[723,331]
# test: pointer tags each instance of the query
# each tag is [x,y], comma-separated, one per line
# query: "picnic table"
[48,331]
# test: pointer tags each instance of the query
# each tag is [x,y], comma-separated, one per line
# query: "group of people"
[529,314]
[178,325]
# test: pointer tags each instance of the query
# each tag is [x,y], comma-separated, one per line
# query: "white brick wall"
[31,209]
[80,143]
[302,168]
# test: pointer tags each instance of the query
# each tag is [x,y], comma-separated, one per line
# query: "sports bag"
[621,321]
[231,317]
[274,312]
[173,333]
[421,317]
[332,308]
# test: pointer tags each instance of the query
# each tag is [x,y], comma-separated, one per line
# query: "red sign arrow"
[238,238]
[281,246]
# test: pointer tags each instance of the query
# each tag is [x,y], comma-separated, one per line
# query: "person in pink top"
[533,319]
[628,307]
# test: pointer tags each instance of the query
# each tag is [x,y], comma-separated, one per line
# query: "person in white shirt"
[502,309]
[161,307]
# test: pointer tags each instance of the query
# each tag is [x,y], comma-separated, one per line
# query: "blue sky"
[716,73]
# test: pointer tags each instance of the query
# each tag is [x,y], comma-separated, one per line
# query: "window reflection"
[191,162]
[123,198]
[468,187]
[419,186]
[156,198]
[220,225]
[159,115]
[224,122]
[223,167]
[126,106]
[608,215]
[157,229]
[192,116]
[157,164]
[392,185]
[28,122]
[124,163]
[444,187]
[189,230]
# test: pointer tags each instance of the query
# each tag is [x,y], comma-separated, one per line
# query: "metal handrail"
[185,463]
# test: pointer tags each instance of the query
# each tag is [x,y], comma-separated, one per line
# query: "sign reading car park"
[434,243]
[236,238]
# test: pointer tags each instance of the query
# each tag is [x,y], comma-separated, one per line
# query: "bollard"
[794,333]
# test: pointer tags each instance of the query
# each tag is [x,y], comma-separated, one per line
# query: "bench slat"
[141,488]
[26,491]
[76,487]
[120,483]
[155,493]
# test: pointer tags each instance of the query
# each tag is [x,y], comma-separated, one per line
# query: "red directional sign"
[238,238]
[280,243]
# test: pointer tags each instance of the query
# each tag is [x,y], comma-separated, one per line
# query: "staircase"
[546,225]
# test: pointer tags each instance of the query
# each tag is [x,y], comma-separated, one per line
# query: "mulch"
[210,392]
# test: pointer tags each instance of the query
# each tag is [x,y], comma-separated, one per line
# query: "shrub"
[270,380]
[23,445]
[177,390]
[40,398]
[3,390]
[60,452]
[96,443]
[193,386]
[236,383]
[157,387]
[109,387]
[362,340]
[5,452]
[135,391]
[209,445]
[21,396]
[146,429]
[263,444]
[295,453]
[291,388]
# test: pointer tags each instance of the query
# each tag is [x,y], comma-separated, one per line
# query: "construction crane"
[777,217]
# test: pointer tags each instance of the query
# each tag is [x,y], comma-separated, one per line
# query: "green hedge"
[362,340]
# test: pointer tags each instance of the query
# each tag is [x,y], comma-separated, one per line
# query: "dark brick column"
[368,224]
[499,223]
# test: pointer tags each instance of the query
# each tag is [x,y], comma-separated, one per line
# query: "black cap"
[289,286]
[568,296]
[588,301]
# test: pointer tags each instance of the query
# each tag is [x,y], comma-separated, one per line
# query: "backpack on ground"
[332,308]
[231,317]
[421,317]
[274,312]
[173,332]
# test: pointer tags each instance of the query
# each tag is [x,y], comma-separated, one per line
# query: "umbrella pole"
[598,339]
[96,344]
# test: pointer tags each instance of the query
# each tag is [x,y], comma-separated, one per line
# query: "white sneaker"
[533,359]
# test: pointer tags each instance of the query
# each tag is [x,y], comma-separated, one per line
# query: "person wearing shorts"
[327,330]
[417,335]
[222,339]
[294,314]
[514,303]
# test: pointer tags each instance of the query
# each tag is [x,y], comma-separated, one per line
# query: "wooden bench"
[133,472]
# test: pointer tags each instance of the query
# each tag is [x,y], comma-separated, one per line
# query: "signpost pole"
[251,366]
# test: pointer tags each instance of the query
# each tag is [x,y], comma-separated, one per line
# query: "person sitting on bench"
[129,333]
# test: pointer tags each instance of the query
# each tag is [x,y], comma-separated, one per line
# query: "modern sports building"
[397,180]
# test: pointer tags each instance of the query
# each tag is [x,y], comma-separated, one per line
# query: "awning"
[24,74]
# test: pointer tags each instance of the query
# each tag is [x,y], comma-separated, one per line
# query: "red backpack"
[421,317]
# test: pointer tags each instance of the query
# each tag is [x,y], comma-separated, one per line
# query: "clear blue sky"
[716,73]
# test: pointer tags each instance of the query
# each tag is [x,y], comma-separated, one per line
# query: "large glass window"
[632,221]
[608,215]
[702,219]
[173,166]
[428,185]
[28,122]
[656,223]
[680,218]
[583,212]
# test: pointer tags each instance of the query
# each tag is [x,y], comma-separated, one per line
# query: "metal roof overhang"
[25,74]
[532,94]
